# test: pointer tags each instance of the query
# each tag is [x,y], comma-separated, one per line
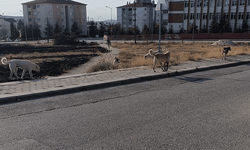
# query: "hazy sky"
[95,8]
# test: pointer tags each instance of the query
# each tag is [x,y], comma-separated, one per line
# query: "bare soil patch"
[53,60]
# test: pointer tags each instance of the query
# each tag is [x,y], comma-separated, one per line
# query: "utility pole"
[135,20]
[159,48]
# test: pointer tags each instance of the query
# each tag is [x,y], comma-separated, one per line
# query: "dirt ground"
[53,60]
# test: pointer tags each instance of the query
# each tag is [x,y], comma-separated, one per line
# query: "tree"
[57,28]
[204,29]
[145,32]
[131,31]
[118,29]
[14,32]
[48,31]
[36,31]
[102,29]
[245,26]
[171,30]
[75,29]
[192,29]
[227,27]
[93,29]
[156,29]
[221,24]
[214,26]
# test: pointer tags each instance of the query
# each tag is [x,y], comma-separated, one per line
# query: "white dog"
[23,64]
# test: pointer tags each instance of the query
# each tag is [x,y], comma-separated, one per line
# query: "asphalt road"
[204,110]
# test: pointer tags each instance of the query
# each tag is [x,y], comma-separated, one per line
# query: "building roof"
[140,4]
[53,2]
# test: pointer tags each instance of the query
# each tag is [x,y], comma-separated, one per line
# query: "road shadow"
[193,79]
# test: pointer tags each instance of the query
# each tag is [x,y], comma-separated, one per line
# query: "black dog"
[225,51]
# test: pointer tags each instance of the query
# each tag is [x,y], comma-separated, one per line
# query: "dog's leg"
[30,73]
[23,73]
[154,62]
[14,70]
[162,67]
[167,66]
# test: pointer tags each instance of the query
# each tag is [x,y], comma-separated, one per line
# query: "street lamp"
[111,18]
[24,28]
[98,26]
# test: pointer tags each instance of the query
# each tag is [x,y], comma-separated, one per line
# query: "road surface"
[204,110]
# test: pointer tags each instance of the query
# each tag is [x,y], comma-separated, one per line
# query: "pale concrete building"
[65,12]
[5,28]
[182,13]
[142,10]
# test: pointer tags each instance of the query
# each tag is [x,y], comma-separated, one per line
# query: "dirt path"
[93,61]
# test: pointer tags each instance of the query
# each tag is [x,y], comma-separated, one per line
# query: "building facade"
[181,14]
[63,12]
[139,13]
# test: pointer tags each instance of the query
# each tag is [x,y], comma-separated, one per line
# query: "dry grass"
[132,55]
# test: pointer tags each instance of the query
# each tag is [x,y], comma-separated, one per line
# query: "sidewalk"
[30,89]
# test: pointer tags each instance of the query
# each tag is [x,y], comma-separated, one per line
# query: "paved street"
[202,110]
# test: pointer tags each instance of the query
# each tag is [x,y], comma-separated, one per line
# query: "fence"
[199,36]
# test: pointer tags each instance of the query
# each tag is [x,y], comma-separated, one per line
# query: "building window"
[234,2]
[205,3]
[58,13]
[28,6]
[71,13]
[199,3]
[165,11]
[219,2]
[211,16]
[30,19]
[37,6]
[232,15]
[50,13]
[248,15]
[248,3]
[185,16]
[49,6]
[226,15]
[29,13]
[62,13]
[226,3]
[186,3]
[242,2]
[192,3]
[191,16]
[240,15]
[165,22]
[198,16]
[204,16]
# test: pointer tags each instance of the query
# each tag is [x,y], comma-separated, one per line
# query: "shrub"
[62,39]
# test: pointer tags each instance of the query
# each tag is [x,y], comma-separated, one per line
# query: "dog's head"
[147,55]
[227,48]
[117,60]
[37,68]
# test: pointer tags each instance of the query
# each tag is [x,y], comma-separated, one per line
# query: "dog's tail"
[4,61]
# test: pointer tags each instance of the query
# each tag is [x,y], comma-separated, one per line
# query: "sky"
[95,8]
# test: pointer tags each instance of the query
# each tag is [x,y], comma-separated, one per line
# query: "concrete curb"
[105,84]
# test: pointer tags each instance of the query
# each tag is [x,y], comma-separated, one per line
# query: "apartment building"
[201,12]
[142,11]
[65,12]
[5,27]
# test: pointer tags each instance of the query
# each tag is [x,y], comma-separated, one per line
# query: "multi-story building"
[5,27]
[139,13]
[63,12]
[182,13]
